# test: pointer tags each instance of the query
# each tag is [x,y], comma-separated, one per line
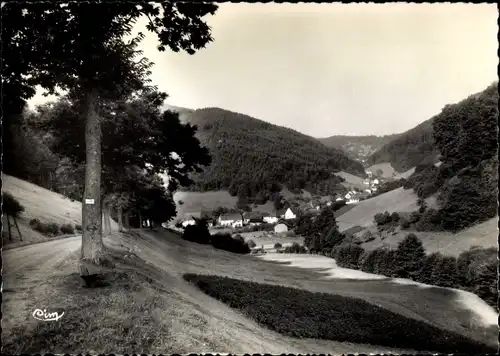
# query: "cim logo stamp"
[42,315]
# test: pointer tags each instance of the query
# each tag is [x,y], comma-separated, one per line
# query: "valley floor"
[149,308]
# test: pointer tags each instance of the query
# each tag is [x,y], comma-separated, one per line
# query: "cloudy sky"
[334,69]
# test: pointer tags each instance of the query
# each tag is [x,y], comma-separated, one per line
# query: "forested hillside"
[466,135]
[358,147]
[253,158]
[408,149]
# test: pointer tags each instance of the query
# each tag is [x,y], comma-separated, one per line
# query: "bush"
[295,248]
[10,205]
[395,217]
[290,234]
[251,243]
[347,255]
[180,202]
[381,219]
[404,224]
[227,243]
[430,220]
[67,229]
[198,232]
[48,229]
[78,227]
[302,314]
[277,245]
[410,256]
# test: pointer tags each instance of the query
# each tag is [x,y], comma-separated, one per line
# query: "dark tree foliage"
[410,256]
[61,47]
[409,149]
[198,232]
[358,147]
[10,205]
[254,158]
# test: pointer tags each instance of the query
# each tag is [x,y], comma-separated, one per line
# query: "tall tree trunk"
[140,221]
[8,225]
[92,246]
[107,220]
[126,220]
[17,227]
[120,218]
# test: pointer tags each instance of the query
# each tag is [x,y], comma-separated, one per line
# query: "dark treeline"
[409,149]
[254,159]
[466,135]
[474,270]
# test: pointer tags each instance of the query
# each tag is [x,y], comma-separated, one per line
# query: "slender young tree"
[59,45]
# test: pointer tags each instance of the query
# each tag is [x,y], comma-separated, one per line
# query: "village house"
[271,218]
[287,214]
[189,218]
[230,219]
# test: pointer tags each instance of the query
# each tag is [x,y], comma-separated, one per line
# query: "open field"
[406,174]
[397,200]
[42,204]
[484,235]
[352,181]
[387,169]
[484,314]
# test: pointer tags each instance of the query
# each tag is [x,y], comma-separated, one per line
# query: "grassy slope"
[387,169]
[359,147]
[352,181]
[42,204]
[484,235]
[362,213]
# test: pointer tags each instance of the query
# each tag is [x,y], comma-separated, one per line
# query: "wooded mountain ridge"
[358,147]
[251,155]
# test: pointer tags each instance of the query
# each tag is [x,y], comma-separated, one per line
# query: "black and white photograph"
[190,177]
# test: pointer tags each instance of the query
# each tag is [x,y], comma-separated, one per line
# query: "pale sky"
[334,69]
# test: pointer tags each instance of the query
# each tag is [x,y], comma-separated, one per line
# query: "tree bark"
[8,225]
[92,246]
[120,219]
[107,219]
[140,221]
[125,220]
[17,227]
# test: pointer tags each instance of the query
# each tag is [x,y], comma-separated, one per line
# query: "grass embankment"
[300,313]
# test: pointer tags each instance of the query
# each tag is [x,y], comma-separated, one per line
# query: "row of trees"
[103,123]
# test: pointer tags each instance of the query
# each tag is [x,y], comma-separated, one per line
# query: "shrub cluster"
[473,270]
[67,229]
[228,243]
[295,248]
[48,229]
[386,221]
[388,186]
[11,205]
[303,314]
[199,233]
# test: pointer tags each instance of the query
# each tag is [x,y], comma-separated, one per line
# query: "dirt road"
[25,272]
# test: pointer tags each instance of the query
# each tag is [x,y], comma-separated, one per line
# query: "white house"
[290,214]
[366,181]
[368,191]
[189,218]
[376,181]
[369,173]
[271,218]
[230,220]
[339,199]
[352,201]
[330,203]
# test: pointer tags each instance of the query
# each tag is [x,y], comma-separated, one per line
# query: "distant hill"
[253,158]
[408,149]
[358,147]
